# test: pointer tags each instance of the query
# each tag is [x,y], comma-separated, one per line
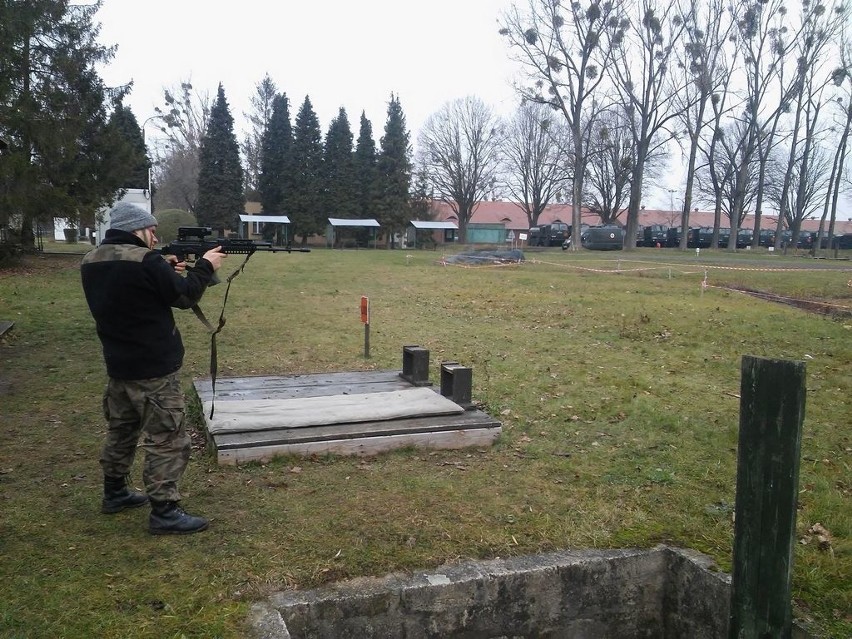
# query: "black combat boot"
[117,496]
[167,518]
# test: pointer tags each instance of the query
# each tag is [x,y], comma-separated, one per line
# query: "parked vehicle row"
[669,237]
[611,237]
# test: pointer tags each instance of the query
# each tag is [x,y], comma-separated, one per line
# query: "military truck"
[549,234]
[655,235]
[842,241]
[701,237]
[603,238]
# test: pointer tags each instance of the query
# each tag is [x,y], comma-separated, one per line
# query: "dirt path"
[810,305]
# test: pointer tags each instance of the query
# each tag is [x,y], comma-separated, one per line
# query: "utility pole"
[671,203]
[150,195]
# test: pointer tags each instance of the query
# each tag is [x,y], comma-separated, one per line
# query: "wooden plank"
[291,392]
[772,410]
[468,420]
[451,440]
[320,381]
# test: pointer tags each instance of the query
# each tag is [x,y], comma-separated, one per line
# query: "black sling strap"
[214,331]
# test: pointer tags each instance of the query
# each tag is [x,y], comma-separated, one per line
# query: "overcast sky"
[338,52]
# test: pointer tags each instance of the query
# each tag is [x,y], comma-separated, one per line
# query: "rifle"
[192,243]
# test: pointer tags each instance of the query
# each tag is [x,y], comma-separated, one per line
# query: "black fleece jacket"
[131,291]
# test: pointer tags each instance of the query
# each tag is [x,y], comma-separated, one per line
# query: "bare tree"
[842,78]
[460,147]
[804,184]
[532,150]
[799,182]
[718,179]
[183,121]
[711,146]
[610,167]
[705,60]
[184,117]
[175,177]
[646,84]
[765,42]
[819,27]
[563,48]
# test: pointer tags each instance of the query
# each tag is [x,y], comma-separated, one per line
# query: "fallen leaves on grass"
[820,534]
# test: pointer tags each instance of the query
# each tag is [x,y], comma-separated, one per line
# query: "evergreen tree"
[421,195]
[339,169]
[306,211]
[394,168]
[366,172]
[63,155]
[276,151]
[220,175]
[275,162]
[137,154]
[262,103]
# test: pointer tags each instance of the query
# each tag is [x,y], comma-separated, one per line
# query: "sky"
[340,53]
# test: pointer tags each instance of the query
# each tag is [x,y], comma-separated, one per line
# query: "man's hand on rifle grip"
[178,264]
[215,257]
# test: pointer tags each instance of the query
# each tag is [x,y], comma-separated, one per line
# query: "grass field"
[616,378]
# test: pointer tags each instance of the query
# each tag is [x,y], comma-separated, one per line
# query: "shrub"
[169,221]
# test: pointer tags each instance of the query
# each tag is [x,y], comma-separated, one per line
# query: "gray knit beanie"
[125,216]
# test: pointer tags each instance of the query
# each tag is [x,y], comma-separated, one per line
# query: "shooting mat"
[302,412]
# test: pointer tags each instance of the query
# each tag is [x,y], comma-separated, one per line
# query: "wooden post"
[365,319]
[367,341]
[772,409]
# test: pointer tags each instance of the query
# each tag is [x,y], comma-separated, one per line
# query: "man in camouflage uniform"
[131,290]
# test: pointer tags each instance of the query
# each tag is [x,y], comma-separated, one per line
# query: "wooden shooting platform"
[345,413]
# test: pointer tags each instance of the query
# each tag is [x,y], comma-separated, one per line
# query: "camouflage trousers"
[155,410]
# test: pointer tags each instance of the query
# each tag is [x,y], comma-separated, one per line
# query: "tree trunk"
[690,180]
[635,199]
[577,190]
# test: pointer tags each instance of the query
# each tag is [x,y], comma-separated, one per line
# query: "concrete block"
[415,365]
[457,383]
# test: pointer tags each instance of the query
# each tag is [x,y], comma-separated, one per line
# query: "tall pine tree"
[394,168]
[262,102]
[220,175]
[276,158]
[276,152]
[339,168]
[306,210]
[136,159]
[366,172]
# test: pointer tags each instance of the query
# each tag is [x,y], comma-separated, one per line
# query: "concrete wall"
[662,593]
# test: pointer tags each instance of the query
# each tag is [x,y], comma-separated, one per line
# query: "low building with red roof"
[492,221]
